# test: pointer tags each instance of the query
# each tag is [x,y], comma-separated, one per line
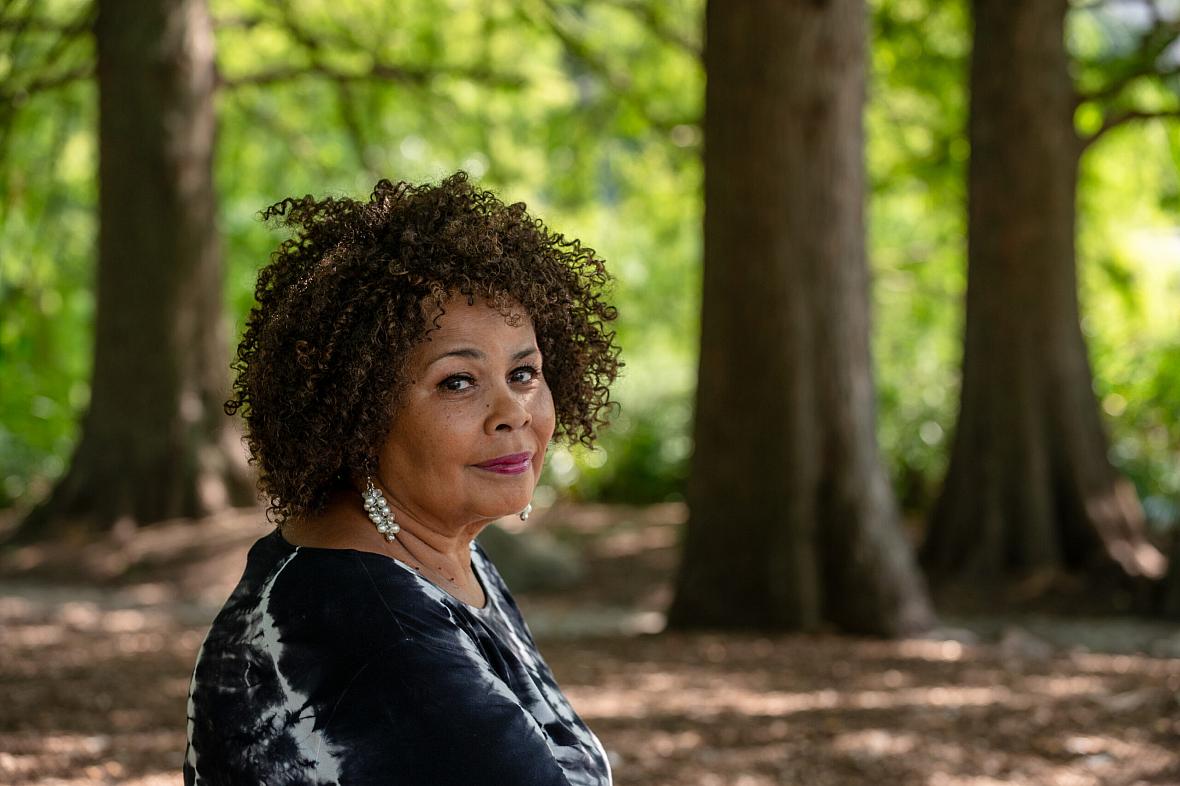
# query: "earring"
[524,514]
[378,510]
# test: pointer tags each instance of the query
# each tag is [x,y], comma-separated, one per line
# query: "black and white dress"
[335,666]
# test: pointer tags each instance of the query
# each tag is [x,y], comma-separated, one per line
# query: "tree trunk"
[1169,604]
[1029,487]
[793,523]
[155,442]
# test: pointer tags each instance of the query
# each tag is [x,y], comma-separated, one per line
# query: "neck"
[442,556]
[422,541]
[446,554]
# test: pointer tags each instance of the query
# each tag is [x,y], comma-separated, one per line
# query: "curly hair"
[359,284]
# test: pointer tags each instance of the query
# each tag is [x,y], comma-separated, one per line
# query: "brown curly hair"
[342,302]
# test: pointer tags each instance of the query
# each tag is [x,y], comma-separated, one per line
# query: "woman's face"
[470,433]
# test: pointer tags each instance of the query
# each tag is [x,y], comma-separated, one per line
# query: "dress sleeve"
[435,714]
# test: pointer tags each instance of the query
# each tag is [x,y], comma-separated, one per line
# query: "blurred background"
[593,112]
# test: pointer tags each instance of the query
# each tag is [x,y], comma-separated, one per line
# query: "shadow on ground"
[99,639]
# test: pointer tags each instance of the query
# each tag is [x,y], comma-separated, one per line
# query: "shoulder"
[337,598]
[442,715]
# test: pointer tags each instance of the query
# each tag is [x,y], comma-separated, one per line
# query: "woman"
[405,367]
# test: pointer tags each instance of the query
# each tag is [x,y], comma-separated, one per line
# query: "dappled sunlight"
[591,518]
[95,682]
[31,637]
[950,651]
[626,543]
[1054,685]
[873,711]
[1128,664]
[90,758]
[875,742]
[633,702]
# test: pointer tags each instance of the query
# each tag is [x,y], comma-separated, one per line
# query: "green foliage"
[46,304]
[47,230]
[594,128]
[1130,288]
[643,455]
[916,123]
[588,110]
[1129,246]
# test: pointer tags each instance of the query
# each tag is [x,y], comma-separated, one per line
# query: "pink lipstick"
[512,464]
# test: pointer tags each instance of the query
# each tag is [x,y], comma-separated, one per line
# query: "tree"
[1169,604]
[154,442]
[1029,486]
[792,521]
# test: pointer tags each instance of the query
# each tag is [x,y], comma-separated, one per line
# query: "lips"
[512,464]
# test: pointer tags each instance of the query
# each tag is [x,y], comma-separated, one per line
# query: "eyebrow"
[475,354]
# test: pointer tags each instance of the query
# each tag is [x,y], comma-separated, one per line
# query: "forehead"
[478,325]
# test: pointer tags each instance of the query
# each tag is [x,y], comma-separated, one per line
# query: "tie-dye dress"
[334,666]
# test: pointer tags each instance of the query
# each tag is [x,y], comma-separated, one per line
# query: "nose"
[508,411]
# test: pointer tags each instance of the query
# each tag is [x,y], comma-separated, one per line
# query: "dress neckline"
[475,569]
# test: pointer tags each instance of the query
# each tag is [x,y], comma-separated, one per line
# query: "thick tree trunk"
[155,442]
[792,523]
[1029,487]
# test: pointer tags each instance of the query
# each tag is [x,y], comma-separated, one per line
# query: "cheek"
[425,438]
[545,417]
[453,433]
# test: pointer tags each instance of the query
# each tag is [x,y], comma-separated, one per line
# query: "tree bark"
[793,523]
[155,443]
[1029,487]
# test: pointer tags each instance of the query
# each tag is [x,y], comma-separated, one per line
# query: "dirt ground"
[98,641]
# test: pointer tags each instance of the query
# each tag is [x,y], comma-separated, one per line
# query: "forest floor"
[99,638]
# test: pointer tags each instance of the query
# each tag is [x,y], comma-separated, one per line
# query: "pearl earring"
[524,514]
[378,510]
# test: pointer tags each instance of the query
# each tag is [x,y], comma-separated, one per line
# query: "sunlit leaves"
[47,238]
[589,111]
[1129,248]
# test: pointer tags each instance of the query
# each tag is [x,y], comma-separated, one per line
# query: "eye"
[456,383]
[524,374]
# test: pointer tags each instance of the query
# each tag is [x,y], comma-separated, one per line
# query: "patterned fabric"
[334,666]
